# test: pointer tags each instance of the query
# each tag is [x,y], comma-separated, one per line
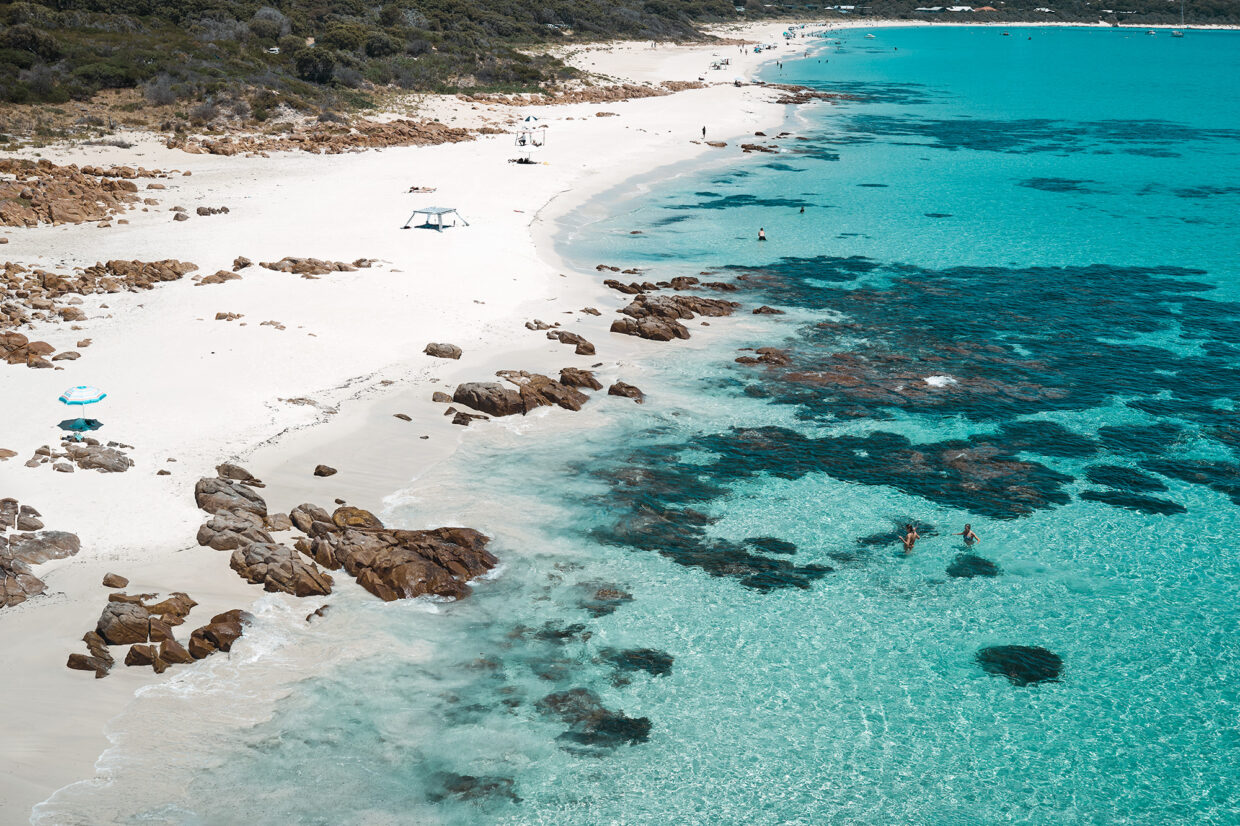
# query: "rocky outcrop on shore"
[146,626]
[393,564]
[327,139]
[41,192]
[793,95]
[30,295]
[533,390]
[315,266]
[20,551]
[240,523]
[583,347]
[84,454]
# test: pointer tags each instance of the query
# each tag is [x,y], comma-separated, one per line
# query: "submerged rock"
[590,723]
[445,785]
[651,660]
[1132,501]
[967,566]
[1023,665]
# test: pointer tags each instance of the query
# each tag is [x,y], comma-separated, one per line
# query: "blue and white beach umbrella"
[83,395]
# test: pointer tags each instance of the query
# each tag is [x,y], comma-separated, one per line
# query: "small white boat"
[869,37]
[1177,33]
[1151,31]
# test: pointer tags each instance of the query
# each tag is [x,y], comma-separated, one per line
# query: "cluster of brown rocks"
[314,266]
[329,139]
[86,454]
[680,283]
[582,347]
[659,317]
[530,391]
[29,295]
[16,348]
[29,545]
[796,95]
[391,564]
[146,627]
[41,192]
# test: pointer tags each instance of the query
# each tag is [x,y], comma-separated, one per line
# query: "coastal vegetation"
[250,59]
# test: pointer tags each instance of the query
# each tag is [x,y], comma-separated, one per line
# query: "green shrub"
[314,64]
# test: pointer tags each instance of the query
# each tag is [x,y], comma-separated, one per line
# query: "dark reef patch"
[651,660]
[1133,501]
[967,566]
[742,200]
[1139,439]
[448,785]
[1223,477]
[771,545]
[1023,665]
[1123,478]
[938,214]
[590,724]
[1150,138]
[1058,184]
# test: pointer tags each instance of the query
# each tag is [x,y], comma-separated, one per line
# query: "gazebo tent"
[438,214]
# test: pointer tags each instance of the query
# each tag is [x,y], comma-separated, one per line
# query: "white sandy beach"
[187,391]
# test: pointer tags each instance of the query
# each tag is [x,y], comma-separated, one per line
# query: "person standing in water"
[969,537]
[761,234]
[910,538]
[703,133]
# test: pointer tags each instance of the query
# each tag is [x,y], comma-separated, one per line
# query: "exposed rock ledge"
[391,564]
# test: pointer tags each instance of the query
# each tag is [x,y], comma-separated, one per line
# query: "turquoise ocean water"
[1013,300]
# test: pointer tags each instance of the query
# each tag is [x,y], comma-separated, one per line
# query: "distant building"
[960,8]
[929,9]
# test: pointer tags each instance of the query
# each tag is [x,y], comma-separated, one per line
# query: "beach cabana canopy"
[437,213]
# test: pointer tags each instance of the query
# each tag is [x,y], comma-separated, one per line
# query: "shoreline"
[274,440]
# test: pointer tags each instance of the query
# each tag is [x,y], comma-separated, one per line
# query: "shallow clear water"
[1074,305]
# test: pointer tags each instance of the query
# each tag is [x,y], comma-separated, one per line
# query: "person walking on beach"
[761,234]
[703,133]
[910,538]
[969,536]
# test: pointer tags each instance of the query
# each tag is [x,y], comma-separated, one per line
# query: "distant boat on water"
[1151,31]
[1177,33]
[869,36]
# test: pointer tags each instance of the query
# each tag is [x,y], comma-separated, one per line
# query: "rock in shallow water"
[1022,664]
[590,723]
[967,566]
[445,785]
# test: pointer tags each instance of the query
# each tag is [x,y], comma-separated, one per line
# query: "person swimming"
[761,234]
[969,536]
[910,538]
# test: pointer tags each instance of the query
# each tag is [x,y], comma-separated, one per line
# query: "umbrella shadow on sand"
[80,425]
